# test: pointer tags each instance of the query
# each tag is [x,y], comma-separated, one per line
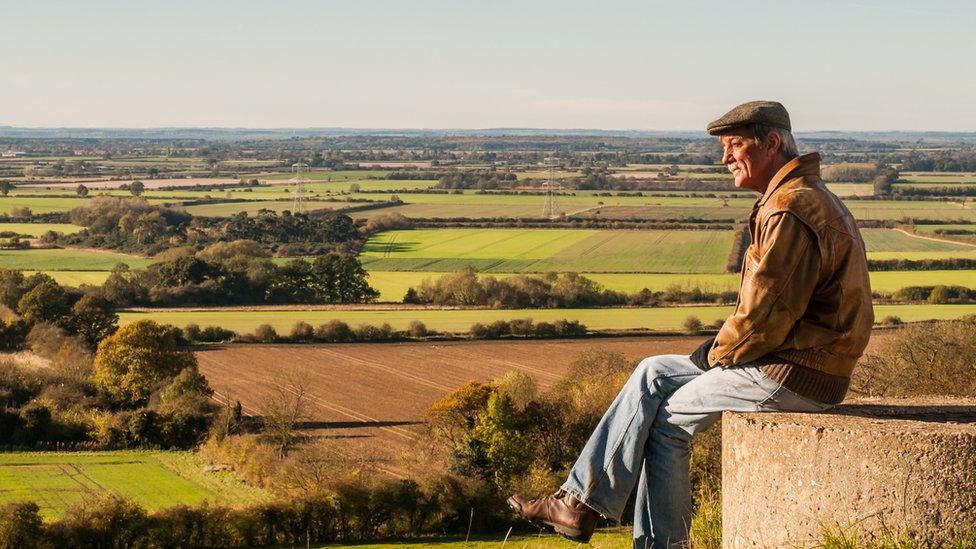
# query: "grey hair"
[787,148]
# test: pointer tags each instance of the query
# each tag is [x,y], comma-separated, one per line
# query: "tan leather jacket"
[804,294]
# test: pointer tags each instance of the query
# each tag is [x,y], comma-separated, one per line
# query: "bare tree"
[285,408]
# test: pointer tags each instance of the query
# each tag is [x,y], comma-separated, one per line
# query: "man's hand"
[700,356]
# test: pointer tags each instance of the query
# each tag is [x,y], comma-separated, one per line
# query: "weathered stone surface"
[908,466]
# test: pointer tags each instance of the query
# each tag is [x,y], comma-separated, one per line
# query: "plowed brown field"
[368,400]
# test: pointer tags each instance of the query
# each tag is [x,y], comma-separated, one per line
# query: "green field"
[339,175]
[75,278]
[227,209]
[37,229]
[541,250]
[938,177]
[39,204]
[47,204]
[590,205]
[454,320]
[895,244]
[155,480]
[65,259]
[393,284]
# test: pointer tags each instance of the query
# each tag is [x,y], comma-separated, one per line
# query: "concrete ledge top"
[917,414]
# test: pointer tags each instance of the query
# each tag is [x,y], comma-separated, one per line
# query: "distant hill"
[240,134]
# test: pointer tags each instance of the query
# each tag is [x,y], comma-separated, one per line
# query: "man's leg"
[663,511]
[609,465]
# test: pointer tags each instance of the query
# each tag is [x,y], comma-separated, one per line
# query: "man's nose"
[726,155]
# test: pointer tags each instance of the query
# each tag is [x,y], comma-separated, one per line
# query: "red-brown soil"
[368,400]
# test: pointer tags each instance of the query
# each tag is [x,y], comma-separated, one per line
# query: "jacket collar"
[807,164]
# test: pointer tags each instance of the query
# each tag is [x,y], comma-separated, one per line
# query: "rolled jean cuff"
[578,494]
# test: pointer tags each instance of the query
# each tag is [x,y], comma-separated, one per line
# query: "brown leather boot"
[561,511]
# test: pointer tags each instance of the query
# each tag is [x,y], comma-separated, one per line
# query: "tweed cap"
[767,113]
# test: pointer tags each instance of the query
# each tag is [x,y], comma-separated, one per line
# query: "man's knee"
[650,368]
[658,367]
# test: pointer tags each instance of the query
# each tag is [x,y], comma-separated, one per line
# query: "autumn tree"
[133,362]
[93,319]
[46,302]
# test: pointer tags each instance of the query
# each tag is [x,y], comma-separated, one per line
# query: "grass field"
[230,208]
[339,175]
[541,250]
[458,320]
[37,229]
[75,278]
[66,259]
[393,284]
[938,177]
[155,480]
[39,205]
[646,207]
[895,244]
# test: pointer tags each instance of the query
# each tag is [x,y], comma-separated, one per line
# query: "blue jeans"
[643,440]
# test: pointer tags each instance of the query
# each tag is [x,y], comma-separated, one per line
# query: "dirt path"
[933,239]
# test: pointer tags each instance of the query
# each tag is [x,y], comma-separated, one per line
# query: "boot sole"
[572,534]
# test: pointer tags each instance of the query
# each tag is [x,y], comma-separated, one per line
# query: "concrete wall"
[906,466]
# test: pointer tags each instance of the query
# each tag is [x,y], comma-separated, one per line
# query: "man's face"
[751,164]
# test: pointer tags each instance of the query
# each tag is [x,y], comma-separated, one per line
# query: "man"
[802,319]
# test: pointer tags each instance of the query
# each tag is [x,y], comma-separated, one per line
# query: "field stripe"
[933,239]
[388,369]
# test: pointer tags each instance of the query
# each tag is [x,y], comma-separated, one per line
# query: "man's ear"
[775,143]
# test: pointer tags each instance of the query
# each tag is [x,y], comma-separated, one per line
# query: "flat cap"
[767,113]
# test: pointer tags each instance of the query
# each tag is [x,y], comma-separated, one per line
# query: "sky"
[645,65]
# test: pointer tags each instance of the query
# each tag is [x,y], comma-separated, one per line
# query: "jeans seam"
[760,404]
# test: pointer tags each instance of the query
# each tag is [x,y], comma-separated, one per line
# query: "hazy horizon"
[440,65]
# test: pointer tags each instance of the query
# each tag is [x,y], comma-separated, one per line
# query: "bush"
[891,320]
[417,329]
[265,333]
[692,325]
[302,331]
[216,334]
[334,331]
[191,332]
[924,359]
[21,525]
[368,332]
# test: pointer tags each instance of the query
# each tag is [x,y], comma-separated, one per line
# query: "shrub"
[302,331]
[191,332]
[692,325]
[334,331]
[215,334]
[21,525]
[891,320]
[265,333]
[924,359]
[417,329]
[368,332]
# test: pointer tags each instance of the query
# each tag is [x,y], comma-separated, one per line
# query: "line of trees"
[133,225]
[550,290]
[238,273]
[138,388]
